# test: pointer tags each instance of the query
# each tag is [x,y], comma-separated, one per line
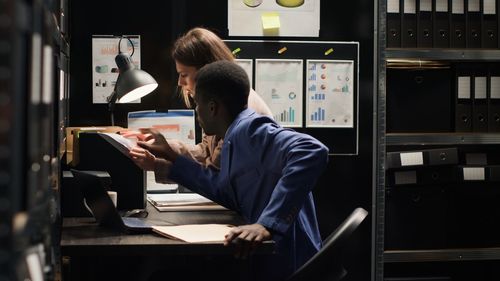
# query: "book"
[195,233]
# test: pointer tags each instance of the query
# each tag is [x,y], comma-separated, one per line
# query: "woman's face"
[186,77]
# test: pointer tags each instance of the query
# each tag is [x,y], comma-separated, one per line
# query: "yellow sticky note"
[270,21]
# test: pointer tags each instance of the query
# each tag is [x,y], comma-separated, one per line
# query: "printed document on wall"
[279,82]
[273,18]
[330,94]
[104,69]
[174,124]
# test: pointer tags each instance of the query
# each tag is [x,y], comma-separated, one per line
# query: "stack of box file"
[442,24]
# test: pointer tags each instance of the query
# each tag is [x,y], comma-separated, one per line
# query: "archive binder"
[473,24]
[426,157]
[494,101]
[457,24]
[424,176]
[424,24]
[441,24]
[409,24]
[480,104]
[393,24]
[463,104]
[490,25]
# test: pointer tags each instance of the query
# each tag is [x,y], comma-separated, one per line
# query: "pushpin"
[329,51]
[235,51]
[282,50]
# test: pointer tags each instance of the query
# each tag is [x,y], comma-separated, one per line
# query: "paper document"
[119,142]
[195,233]
[183,202]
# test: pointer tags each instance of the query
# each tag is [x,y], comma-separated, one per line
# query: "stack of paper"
[182,202]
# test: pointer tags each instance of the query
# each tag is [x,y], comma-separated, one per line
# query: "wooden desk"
[90,252]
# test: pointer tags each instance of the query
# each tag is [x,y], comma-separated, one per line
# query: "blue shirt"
[266,174]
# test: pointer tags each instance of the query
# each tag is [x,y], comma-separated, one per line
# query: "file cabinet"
[440,219]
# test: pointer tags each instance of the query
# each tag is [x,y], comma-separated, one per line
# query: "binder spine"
[489,24]
[463,105]
[441,24]
[473,24]
[409,24]
[457,24]
[393,24]
[424,24]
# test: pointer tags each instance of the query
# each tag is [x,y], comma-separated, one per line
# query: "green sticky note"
[270,21]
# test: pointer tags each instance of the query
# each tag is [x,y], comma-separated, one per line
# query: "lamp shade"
[132,83]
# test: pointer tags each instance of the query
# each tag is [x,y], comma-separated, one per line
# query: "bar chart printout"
[279,82]
[330,93]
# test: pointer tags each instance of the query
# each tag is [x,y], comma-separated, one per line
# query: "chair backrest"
[326,264]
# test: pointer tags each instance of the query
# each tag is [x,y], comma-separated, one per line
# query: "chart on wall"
[247,65]
[279,82]
[330,94]
[104,69]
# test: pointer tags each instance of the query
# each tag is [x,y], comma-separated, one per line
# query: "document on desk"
[195,233]
[182,202]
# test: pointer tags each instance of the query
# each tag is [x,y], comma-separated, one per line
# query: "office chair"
[326,264]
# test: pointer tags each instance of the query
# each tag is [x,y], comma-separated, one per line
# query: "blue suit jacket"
[267,173]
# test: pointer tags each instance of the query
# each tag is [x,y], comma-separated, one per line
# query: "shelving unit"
[431,230]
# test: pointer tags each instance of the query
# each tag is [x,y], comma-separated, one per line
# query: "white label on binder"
[474,173]
[480,88]
[405,177]
[410,7]
[412,158]
[441,5]
[425,5]
[495,87]
[473,6]
[393,6]
[489,7]
[464,87]
[457,6]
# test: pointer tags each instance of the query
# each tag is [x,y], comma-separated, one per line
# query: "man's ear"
[213,107]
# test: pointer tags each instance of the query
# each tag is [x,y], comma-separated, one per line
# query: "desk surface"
[81,236]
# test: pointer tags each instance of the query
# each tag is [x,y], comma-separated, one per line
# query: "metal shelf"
[443,255]
[444,54]
[442,138]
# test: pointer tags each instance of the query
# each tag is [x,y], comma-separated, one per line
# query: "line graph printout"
[279,82]
[330,94]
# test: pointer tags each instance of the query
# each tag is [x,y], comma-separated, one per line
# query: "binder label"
[425,6]
[442,6]
[393,6]
[489,7]
[405,177]
[495,87]
[473,173]
[412,158]
[457,7]
[480,87]
[410,7]
[473,6]
[464,87]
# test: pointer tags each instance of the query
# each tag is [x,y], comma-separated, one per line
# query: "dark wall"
[348,181]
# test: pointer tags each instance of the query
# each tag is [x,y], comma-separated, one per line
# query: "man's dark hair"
[226,82]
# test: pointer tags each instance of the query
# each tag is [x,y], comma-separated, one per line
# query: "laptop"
[102,207]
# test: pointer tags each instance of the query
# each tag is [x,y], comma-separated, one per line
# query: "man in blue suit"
[267,172]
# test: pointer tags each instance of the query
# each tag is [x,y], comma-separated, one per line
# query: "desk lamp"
[132,83]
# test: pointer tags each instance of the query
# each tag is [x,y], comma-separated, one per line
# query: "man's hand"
[157,145]
[246,238]
[143,158]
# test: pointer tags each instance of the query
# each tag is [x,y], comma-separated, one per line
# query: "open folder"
[195,233]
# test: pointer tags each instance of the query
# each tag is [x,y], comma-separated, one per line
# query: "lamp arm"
[111,105]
